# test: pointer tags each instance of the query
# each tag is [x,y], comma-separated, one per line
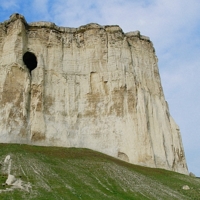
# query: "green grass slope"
[70,173]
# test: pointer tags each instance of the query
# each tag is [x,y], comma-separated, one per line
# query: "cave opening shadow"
[30,61]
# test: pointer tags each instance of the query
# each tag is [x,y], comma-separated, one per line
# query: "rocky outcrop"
[92,86]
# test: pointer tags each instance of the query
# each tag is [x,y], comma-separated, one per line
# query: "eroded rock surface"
[92,86]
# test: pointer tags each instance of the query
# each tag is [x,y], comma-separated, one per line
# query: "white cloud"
[74,13]
[8,4]
[41,5]
[41,8]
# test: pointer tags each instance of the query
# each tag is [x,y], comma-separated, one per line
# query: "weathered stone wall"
[94,87]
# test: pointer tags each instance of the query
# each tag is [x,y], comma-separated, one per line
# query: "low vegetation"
[71,173]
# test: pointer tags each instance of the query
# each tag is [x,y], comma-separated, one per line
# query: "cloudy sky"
[172,25]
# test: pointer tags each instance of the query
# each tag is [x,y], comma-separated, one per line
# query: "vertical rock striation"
[93,86]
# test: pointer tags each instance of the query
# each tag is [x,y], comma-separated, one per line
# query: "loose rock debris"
[12,181]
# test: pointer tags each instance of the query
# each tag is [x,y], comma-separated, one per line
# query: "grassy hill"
[71,173]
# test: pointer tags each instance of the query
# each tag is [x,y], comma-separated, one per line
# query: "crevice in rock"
[30,61]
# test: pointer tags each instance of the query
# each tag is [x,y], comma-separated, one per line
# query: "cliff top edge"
[83,28]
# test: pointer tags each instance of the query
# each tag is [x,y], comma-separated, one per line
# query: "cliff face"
[92,86]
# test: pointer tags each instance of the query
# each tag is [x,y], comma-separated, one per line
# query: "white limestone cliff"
[93,87]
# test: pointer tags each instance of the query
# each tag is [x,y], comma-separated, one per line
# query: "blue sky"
[174,28]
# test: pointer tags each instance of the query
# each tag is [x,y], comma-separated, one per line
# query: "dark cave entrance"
[30,61]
